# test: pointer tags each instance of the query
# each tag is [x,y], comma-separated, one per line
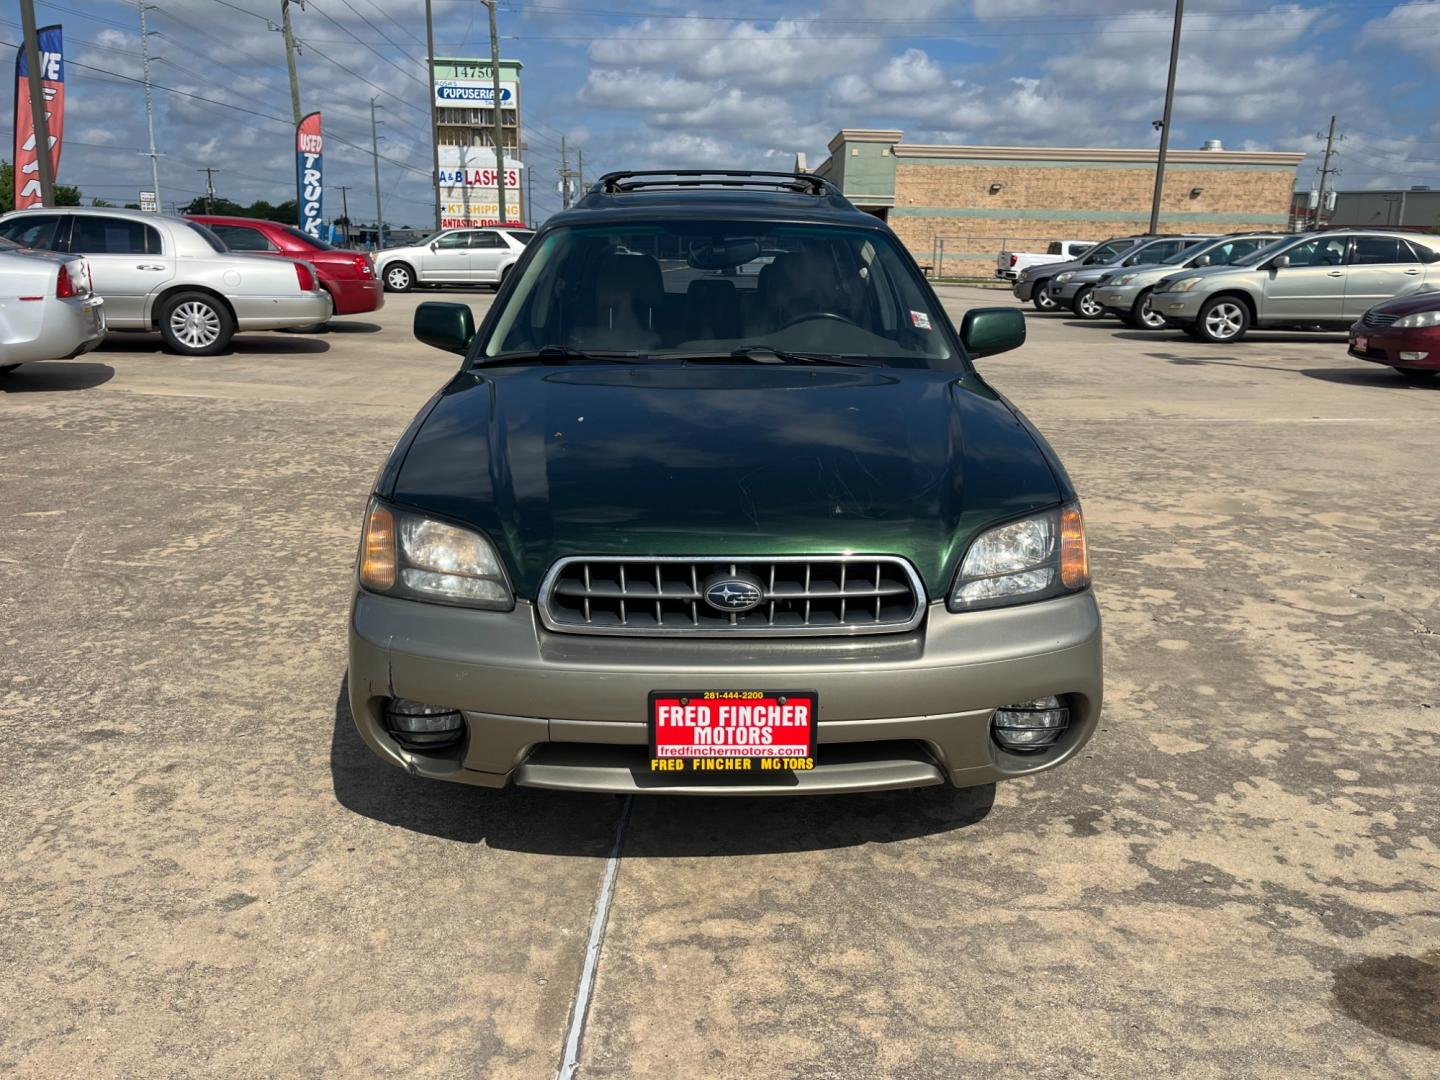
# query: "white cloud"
[1410,27]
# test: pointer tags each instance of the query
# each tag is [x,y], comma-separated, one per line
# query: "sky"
[656,83]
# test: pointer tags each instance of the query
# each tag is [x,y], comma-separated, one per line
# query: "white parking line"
[580,1009]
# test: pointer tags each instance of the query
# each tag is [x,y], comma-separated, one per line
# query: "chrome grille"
[855,594]
[1370,318]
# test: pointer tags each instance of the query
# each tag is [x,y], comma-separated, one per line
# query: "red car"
[1404,333]
[348,276]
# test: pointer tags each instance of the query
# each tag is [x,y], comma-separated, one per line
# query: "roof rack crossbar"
[617,182]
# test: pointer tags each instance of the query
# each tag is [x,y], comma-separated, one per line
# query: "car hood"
[1410,303]
[704,460]
[1178,272]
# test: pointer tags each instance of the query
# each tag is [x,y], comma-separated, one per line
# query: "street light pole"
[1165,121]
[375,151]
[495,101]
[434,128]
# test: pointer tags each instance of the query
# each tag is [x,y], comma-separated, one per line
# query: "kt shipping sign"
[310,175]
[52,76]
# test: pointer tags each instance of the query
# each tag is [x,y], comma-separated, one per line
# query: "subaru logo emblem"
[733,595]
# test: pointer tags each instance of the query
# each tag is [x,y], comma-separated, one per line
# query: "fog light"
[1030,725]
[1413,355]
[420,726]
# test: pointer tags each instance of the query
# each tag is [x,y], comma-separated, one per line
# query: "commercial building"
[1412,208]
[465,138]
[956,207]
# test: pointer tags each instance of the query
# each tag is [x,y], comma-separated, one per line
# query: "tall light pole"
[149,112]
[375,151]
[1165,122]
[37,103]
[495,101]
[434,128]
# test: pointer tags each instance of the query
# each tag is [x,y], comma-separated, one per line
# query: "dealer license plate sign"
[1361,344]
[714,732]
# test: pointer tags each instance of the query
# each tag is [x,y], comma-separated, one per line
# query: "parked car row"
[178,276]
[1381,285]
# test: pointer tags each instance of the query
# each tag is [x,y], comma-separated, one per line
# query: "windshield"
[659,290]
[1108,251]
[210,238]
[1222,252]
[1261,254]
[524,236]
[312,241]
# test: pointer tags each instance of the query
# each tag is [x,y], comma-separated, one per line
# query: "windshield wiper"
[549,353]
[766,354]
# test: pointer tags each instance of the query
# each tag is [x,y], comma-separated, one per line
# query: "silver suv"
[1075,289]
[1126,293]
[1327,279]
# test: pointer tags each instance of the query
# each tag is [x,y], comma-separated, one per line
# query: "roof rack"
[800,183]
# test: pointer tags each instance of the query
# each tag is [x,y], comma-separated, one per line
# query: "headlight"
[408,554]
[1420,318]
[1024,275]
[1185,284]
[1060,279]
[1125,279]
[1030,559]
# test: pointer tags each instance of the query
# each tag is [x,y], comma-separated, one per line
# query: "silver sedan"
[158,272]
[47,311]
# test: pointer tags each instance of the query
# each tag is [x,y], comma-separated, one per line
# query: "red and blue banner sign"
[310,176]
[52,76]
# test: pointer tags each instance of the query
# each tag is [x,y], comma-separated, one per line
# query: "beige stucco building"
[955,207]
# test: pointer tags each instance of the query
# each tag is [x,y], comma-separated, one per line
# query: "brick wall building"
[955,207]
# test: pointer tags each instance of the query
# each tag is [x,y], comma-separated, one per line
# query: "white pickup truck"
[1008,264]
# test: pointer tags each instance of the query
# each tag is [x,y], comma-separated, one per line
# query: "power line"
[325,15]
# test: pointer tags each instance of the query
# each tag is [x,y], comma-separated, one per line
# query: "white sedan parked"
[453,257]
[47,311]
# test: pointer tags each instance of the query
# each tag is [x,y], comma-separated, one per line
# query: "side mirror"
[987,331]
[434,245]
[1279,262]
[1203,260]
[445,326]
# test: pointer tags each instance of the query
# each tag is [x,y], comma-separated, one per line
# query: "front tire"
[1041,298]
[1086,306]
[196,324]
[1142,316]
[1223,319]
[399,278]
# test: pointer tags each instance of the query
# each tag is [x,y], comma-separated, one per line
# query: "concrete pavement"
[204,873]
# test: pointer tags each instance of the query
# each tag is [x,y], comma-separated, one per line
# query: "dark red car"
[348,276]
[1403,333]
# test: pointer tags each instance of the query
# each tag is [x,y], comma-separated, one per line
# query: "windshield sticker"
[920,319]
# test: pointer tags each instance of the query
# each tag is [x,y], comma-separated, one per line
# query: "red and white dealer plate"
[719,731]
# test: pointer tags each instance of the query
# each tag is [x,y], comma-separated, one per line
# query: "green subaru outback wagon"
[717,503]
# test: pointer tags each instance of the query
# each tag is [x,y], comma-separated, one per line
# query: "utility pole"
[290,49]
[580,170]
[434,128]
[375,150]
[529,196]
[1165,121]
[43,159]
[564,176]
[1325,170]
[345,210]
[149,112]
[499,126]
[209,188]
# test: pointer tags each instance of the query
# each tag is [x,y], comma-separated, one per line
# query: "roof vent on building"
[1213,144]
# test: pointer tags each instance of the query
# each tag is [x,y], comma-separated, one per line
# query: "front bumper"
[1023,290]
[1119,298]
[568,711]
[1179,307]
[1383,345]
[1064,294]
[282,312]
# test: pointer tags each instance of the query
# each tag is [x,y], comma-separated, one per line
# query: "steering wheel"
[819,315]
